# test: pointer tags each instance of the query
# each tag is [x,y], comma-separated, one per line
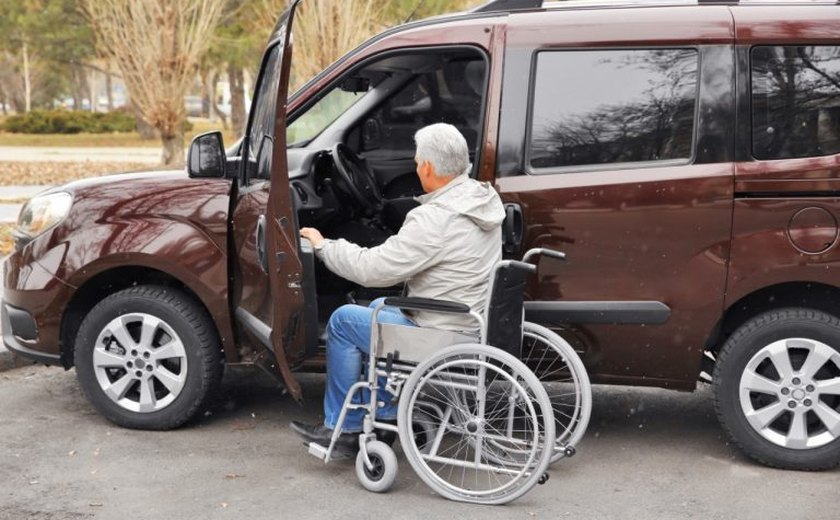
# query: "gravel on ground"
[14,173]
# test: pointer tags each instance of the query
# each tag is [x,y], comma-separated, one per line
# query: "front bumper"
[18,327]
[32,305]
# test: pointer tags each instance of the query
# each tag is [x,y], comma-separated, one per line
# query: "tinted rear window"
[795,101]
[614,106]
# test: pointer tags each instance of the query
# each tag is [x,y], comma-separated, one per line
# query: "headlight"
[43,212]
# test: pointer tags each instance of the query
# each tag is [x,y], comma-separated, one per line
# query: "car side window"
[599,107]
[452,94]
[261,131]
[795,101]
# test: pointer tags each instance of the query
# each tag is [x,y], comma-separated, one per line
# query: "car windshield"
[320,115]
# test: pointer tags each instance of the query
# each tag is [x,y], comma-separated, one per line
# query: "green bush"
[69,122]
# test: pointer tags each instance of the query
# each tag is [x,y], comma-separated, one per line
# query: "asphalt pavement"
[648,454]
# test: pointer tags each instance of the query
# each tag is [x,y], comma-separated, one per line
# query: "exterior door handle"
[513,228]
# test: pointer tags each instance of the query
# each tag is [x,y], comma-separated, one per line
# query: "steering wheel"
[357,178]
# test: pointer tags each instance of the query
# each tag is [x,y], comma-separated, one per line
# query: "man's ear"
[425,168]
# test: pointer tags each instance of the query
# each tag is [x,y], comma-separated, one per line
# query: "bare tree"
[323,29]
[157,45]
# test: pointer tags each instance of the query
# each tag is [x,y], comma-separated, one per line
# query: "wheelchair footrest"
[317,450]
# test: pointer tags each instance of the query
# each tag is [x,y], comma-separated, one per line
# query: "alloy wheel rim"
[789,393]
[140,362]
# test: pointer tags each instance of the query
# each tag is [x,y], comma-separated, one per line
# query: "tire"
[385,467]
[148,357]
[777,389]
[489,441]
[560,370]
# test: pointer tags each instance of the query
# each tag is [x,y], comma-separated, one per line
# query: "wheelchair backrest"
[504,309]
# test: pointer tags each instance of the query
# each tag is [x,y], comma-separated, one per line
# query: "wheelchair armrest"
[427,304]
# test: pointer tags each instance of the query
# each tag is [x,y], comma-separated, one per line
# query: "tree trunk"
[109,87]
[147,132]
[206,93]
[27,81]
[173,149]
[94,99]
[237,98]
[214,106]
[78,88]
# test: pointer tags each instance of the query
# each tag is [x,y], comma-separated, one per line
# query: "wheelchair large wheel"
[560,370]
[489,441]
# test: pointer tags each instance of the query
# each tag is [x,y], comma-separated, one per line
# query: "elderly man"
[445,250]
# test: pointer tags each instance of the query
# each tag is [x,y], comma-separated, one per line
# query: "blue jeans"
[348,347]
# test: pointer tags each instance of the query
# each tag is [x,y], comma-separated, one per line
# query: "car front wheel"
[777,389]
[148,357]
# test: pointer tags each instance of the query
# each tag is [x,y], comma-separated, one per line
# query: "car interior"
[351,149]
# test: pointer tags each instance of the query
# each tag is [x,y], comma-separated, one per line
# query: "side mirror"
[206,158]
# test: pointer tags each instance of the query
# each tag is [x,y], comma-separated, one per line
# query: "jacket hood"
[477,201]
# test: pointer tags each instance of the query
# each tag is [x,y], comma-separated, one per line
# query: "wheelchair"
[480,417]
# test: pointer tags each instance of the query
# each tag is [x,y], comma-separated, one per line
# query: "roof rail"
[519,5]
[507,5]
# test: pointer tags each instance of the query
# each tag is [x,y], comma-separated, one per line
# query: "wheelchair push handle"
[524,266]
[558,255]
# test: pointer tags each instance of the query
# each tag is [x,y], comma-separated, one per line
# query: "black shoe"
[320,434]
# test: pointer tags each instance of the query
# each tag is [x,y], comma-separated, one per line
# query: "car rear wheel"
[777,389]
[148,357]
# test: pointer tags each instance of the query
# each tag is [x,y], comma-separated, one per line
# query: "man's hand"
[313,235]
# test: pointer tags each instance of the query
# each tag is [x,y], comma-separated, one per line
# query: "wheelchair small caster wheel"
[543,479]
[382,475]
[569,451]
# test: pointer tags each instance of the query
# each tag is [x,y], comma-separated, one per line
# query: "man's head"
[442,155]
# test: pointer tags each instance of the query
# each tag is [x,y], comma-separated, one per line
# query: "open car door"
[269,297]
[285,269]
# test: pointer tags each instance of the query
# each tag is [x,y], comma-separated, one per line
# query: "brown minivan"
[684,154]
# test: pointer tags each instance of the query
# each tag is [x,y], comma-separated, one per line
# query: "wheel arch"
[813,295]
[109,281]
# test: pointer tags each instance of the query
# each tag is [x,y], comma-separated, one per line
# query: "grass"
[131,139]
[7,244]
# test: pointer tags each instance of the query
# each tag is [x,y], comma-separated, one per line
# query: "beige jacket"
[445,250]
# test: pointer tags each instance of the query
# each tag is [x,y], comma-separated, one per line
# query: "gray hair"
[443,145]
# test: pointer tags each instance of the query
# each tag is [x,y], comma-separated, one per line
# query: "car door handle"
[262,258]
[513,228]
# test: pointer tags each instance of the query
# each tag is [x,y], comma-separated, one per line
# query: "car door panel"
[635,228]
[267,268]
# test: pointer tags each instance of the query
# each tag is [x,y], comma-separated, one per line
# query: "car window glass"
[614,106]
[258,164]
[451,93]
[795,101]
[320,115]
